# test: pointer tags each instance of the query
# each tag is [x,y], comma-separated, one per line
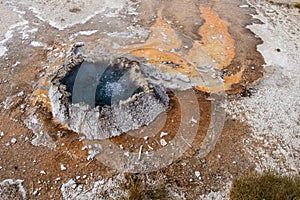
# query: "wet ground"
[234,100]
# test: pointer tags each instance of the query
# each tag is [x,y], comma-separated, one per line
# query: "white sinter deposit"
[274,111]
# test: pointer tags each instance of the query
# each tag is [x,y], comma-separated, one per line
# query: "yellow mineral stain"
[216,41]
[163,37]
[41,96]
[158,58]
[58,55]
[216,49]
[228,82]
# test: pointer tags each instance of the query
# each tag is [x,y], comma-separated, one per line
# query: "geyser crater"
[104,99]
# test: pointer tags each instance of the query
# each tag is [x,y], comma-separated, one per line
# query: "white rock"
[244,6]
[62,167]
[197,174]
[193,120]
[13,140]
[36,192]
[162,134]
[163,142]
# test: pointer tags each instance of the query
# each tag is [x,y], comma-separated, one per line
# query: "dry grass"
[266,186]
[139,190]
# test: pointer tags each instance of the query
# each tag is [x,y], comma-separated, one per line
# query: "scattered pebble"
[58,179]
[162,134]
[197,174]
[36,192]
[13,140]
[244,6]
[20,94]
[42,172]
[1,134]
[163,142]
[62,167]
[193,120]
[84,148]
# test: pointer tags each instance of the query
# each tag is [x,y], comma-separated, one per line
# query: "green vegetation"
[268,186]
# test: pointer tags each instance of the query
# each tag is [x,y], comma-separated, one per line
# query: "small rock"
[163,142]
[193,120]
[58,179]
[74,186]
[36,192]
[42,172]
[1,134]
[62,167]
[244,6]
[13,140]
[20,94]
[197,174]
[84,148]
[162,134]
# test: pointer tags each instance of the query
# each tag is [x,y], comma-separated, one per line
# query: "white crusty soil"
[273,113]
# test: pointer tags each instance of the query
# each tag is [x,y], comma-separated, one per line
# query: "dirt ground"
[259,115]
